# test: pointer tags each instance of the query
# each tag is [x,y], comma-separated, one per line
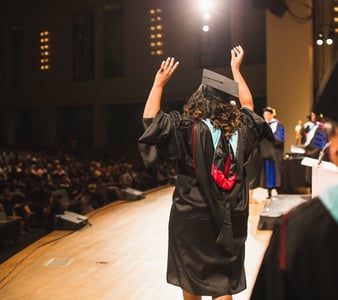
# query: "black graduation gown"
[207,225]
[301,261]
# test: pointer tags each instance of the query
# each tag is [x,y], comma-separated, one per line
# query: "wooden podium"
[324,174]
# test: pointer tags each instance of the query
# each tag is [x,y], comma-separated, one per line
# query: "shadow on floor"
[10,248]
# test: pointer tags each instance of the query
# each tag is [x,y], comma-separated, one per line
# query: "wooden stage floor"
[122,255]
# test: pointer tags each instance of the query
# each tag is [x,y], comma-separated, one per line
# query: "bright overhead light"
[205,5]
[205,28]
[329,39]
[320,40]
[206,16]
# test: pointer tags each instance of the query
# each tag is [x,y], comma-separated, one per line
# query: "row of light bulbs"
[45,53]
[156,35]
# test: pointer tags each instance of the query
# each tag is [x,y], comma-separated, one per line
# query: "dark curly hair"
[207,103]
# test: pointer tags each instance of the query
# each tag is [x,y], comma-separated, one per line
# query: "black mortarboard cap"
[270,110]
[326,99]
[225,86]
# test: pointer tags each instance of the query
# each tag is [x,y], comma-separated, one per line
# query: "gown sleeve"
[159,142]
[254,129]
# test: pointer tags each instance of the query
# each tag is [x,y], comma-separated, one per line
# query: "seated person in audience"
[95,197]
[15,206]
[128,178]
[53,206]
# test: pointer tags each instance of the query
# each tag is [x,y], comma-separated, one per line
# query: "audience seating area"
[37,185]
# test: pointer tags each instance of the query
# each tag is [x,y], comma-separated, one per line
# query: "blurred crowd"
[35,186]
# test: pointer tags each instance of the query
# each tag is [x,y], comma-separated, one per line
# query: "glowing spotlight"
[205,28]
[329,39]
[320,40]
[206,5]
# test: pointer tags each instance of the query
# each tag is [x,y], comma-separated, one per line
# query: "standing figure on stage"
[272,175]
[211,142]
[301,261]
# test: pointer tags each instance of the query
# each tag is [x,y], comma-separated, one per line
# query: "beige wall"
[289,71]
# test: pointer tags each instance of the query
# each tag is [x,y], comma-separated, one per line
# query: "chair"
[9,228]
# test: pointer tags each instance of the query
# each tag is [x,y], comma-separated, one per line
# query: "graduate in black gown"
[211,142]
[301,261]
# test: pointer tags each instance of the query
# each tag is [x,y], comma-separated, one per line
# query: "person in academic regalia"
[211,142]
[315,136]
[301,261]
[272,152]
